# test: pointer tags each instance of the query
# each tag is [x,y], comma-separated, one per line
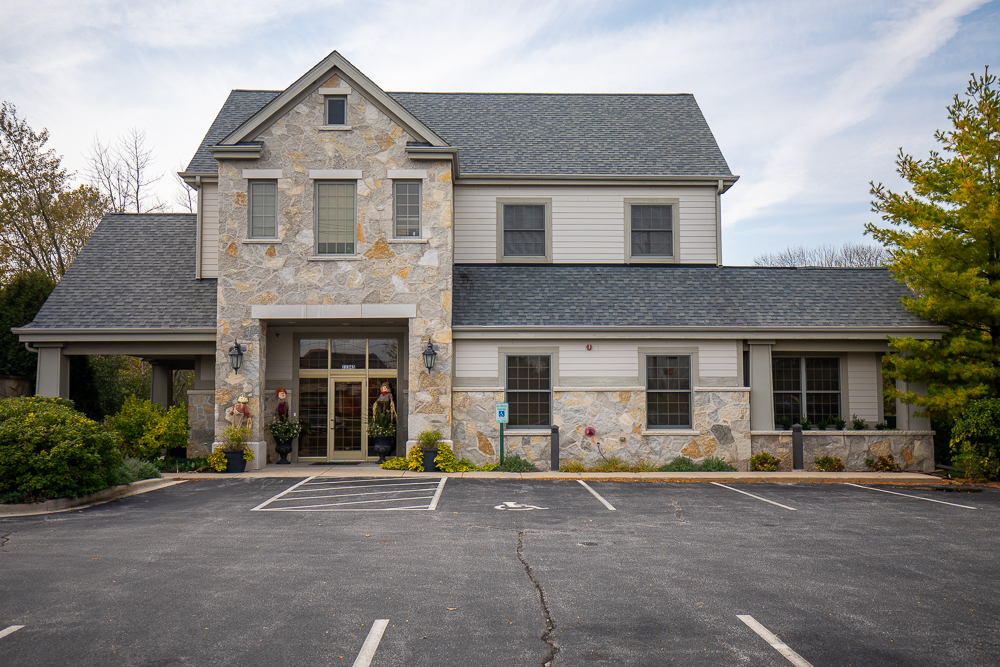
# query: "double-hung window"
[336,111]
[263,206]
[810,381]
[524,230]
[651,230]
[529,390]
[336,213]
[406,208]
[668,391]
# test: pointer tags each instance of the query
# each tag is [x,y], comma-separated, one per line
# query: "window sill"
[262,240]
[333,128]
[670,431]
[408,240]
[334,258]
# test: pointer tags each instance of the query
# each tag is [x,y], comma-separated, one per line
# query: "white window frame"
[354,224]
[693,376]
[420,207]
[525,201]
[250,207]
[674,204]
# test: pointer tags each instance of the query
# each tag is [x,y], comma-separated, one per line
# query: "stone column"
[162,390]
[761,393]
[249,380]
[905,419]
[53,372]
[429,400]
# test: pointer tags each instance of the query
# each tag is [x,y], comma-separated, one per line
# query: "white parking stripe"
[906,495]
[778,645]
[292,488]
[345,495]
[753,496]
[371,643]
[437,495]
[597,495]
[353,502]
[363,486]
[386,482]
[12,629]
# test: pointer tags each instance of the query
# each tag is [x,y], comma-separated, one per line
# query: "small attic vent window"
[336,111]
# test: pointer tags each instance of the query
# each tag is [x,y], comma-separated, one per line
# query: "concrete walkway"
[299,470]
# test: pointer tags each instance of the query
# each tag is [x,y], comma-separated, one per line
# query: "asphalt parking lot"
[501,572]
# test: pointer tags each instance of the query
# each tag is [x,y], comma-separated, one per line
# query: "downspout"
[28,347]
[718,224]
[197,256]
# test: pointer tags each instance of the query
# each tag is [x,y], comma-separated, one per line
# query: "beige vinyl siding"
[209,230]
[476,359]
[280,355]
[718,359]
[588,222]
[611,359]
[863,390]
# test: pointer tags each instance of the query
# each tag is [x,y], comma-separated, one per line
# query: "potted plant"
[233,454]
[381,429]
[428,441]
[284,431]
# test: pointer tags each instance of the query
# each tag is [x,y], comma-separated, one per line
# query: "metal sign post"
[501,417]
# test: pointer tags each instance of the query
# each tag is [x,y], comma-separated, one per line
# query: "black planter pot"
[284,448]
[429,465]
[381,445]
[235,462]
[177,452]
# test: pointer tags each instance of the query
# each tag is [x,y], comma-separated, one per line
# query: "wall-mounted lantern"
[429,356]
[236,356]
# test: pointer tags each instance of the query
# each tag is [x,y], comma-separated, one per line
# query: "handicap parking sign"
[501,413]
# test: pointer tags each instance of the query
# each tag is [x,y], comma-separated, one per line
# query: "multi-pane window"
[668,391]
[810,381]
[336,111]
[652,230]
[524,230]
[406,207]
[263,203]
[529,385]
[335,214]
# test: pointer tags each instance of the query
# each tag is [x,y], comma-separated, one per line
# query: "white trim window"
[335,110]
[529,390]
[810,381]
[651,230]
[524,230]
[336,215]
[262,210]
[406,208]
[668,391]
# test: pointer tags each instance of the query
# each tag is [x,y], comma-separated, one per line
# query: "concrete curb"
[63,504]
[798,477]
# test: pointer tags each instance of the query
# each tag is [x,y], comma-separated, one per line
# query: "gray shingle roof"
[136,272]
[239,106]
[580,134]
[676,296]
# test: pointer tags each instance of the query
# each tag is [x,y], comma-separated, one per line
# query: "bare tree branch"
[859,255]
[121,173]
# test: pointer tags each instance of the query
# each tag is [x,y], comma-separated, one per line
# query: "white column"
[53,372]
[761,393]
[161,391]
[905,419]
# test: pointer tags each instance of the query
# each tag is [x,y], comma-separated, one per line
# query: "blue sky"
[809,101]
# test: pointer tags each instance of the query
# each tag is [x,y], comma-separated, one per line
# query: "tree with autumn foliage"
[944,237]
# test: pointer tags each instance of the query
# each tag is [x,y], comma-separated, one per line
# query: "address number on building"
[502,413]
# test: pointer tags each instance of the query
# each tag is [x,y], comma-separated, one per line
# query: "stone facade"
[11,386]
[911,450]
[201,419]
[383,271]
[721,428]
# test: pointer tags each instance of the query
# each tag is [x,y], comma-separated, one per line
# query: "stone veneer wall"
[384,271]
[201,419]
[911,450]
[721,428]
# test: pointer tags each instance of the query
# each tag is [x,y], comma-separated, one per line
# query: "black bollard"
[797,456]
[555,448]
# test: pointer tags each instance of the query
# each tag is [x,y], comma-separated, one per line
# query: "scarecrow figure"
[282,412]
[385,396]
[239,411]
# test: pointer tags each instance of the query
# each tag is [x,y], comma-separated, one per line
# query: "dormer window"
[336,111]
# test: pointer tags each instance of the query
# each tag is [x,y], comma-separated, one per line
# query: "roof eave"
[240,152]
[932,332]
[727,180]
[43,335]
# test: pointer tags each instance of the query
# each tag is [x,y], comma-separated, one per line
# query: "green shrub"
[975,440]
[882,464]
[516,464]
[715,464]
[612,464]
[764,462]
[839,423]
[414,460]
[829,464]
[171,464]
[145,427]
[428,439]
[572,466]
[857,423]
[445,461]
[785,422]
[679,464]
[49,450]
[134,470]
[806,424]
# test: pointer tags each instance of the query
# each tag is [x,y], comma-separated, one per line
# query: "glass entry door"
[347,432]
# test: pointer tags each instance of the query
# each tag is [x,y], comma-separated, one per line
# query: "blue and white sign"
[502,413]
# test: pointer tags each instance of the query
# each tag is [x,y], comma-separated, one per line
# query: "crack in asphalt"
[5,537]
[678,512]
[550,623]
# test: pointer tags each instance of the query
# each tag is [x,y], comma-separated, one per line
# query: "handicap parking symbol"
[517,507]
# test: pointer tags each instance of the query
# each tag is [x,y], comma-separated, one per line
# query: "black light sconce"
[236,356]
[429,356]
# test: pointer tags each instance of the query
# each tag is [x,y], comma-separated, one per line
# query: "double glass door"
[336,400]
